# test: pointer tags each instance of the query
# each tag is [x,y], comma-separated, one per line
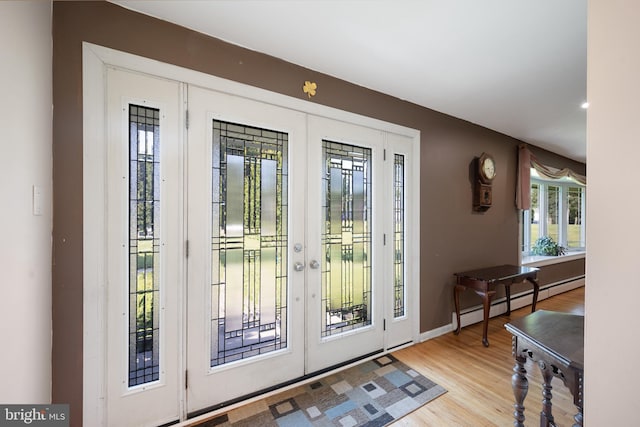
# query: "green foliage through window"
[545,245]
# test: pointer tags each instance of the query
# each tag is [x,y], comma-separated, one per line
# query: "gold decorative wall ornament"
[309,88]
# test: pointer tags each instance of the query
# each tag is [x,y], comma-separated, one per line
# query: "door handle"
[298,266]
[314,264]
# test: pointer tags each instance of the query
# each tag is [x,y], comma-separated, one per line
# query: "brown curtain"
[523,187]
[526,161]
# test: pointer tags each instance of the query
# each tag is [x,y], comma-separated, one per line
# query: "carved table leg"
[486,304]
[456,300]
[520,386]
[536,288]
[546,417]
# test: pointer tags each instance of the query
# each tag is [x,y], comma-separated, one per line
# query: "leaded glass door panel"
[345,237]
[245,216]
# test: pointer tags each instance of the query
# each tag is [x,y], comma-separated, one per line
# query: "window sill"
[539,261]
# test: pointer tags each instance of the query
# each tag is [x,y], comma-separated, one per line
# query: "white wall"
[613,152]
[25,238]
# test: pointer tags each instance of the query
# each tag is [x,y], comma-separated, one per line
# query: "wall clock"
[485,172]
[486,168]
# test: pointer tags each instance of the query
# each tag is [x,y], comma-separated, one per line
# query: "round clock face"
[488,168]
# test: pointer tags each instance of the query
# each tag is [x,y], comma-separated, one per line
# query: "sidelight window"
[144,245]
[398,237]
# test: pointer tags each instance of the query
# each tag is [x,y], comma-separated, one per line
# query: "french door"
[283,245]
[246,245]
[246,228]
[345,241]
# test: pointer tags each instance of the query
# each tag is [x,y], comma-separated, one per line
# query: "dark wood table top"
[561,334]
[498,273]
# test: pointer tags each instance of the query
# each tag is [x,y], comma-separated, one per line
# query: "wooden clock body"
[482,191]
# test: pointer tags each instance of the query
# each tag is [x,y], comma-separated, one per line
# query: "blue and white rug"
[373,393]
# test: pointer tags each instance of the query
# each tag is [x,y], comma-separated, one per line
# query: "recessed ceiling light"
[585,105]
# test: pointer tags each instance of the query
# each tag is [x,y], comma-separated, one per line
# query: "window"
[346,240]
[557,211]
[249,241]
[144,245]
[398,239]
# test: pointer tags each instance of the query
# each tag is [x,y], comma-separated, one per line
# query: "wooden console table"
[555,341]
[484,281]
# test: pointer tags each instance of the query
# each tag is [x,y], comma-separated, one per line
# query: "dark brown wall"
[453,237]
[555,273]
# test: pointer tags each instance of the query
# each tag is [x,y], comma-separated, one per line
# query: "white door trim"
[94,254]
[95,59]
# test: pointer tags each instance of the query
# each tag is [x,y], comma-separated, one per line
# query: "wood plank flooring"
[478,379]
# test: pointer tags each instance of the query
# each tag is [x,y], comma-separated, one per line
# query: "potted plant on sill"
[546,246]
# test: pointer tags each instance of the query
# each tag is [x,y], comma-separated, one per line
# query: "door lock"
[298,266]
[314,264]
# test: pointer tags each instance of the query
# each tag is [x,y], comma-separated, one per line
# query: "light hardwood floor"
[478,379]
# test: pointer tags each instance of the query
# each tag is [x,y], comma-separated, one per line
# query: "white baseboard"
[499,306]
[564,287]
[424,336]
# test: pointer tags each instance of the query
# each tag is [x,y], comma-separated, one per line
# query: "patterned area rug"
[373,393]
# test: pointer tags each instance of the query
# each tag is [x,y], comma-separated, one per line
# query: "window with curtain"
[558,211]
[553,205]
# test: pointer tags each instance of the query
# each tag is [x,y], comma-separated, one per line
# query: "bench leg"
[546,417]
[520,386]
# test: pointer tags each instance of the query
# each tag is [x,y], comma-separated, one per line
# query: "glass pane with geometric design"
[248,242]
[346,238]
[144,245]
[398,237]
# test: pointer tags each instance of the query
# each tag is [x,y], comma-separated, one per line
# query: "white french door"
[345,239]
[357,219]
[277,290]
[244,245]
[246,229]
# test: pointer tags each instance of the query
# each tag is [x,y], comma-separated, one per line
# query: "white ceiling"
[514,66]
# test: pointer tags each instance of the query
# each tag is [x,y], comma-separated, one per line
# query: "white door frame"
[95,59]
